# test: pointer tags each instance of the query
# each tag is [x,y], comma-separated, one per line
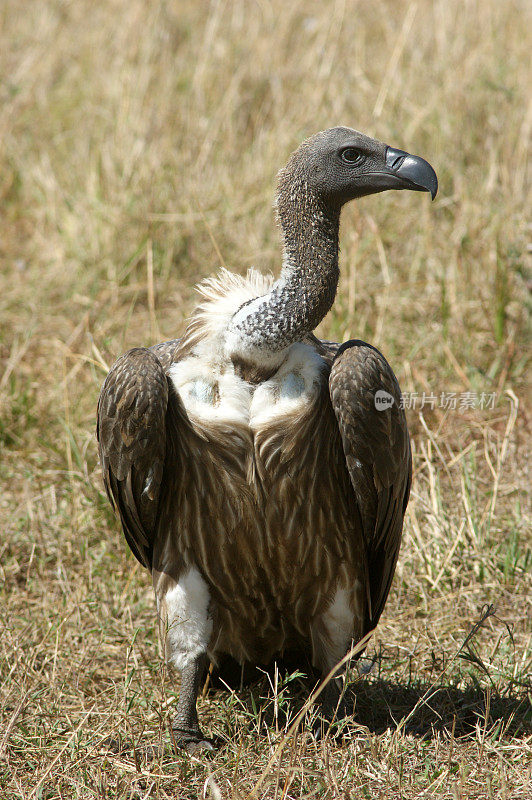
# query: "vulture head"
[341,164]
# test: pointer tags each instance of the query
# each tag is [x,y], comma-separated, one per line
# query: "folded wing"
[131,432]
[377,452]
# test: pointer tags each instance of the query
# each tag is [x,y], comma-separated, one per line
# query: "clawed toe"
[191,741]
[202,746]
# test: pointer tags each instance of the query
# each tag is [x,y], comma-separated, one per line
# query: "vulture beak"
[409,172]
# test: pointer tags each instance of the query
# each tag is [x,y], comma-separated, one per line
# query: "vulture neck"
[261,331]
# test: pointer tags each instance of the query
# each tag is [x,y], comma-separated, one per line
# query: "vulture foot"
[334,707]
[191,740]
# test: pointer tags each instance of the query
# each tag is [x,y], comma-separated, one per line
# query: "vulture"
[259,473]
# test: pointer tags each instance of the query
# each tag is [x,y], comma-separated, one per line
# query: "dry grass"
[142,139]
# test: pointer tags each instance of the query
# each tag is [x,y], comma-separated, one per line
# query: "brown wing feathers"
[131,433]
[377,451]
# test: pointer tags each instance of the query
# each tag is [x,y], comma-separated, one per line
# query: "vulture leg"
[332,636]
[186,732]
[185,627]
[332,703]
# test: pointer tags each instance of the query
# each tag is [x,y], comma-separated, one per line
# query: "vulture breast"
[212,392]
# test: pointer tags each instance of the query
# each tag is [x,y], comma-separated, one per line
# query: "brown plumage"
[252,470]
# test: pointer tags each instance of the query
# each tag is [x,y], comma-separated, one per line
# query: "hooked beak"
[409,172]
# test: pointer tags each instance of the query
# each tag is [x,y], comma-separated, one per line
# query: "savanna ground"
[139,144]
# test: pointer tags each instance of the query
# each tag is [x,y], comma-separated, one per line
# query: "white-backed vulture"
[254,472]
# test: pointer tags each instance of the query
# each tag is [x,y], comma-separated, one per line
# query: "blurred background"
[139,146]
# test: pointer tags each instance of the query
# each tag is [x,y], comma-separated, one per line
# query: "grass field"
[139,144]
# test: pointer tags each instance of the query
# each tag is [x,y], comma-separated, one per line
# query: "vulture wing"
[131,432]
[377,452]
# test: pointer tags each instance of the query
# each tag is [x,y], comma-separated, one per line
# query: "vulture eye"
[350,155]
